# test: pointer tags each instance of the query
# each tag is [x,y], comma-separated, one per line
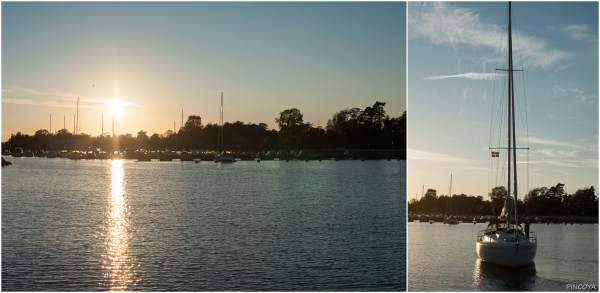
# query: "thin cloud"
[559,154]
[444,24]
[577,32]
[40,103]
[48,102]
[585,163]
[435,157]
[579,95]
[578,145]
[470,75]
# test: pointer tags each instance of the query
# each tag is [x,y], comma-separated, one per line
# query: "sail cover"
[508,208]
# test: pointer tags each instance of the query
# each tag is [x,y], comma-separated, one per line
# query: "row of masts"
[76,124]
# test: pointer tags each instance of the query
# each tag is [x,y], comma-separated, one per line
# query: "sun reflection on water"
[117,262]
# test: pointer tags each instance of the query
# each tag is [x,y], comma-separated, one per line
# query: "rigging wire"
[526,122]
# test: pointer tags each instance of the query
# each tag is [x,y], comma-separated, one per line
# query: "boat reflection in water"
[488,277]
[117,263]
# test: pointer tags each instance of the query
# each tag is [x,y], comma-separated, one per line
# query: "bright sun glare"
[116,107]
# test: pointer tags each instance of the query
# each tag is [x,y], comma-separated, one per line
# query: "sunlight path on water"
[117,261]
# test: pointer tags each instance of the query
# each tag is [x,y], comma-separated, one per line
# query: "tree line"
[354,128]
[542,201]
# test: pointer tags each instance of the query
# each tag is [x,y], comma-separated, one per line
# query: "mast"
[450,193]
[220,142]
[77,123]
[222,123]
[511,118]
[422,190]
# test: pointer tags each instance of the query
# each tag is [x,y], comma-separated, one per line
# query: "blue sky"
[159,58]
[452,55]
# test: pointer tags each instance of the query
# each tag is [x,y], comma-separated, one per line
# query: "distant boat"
[64,154]
[504,242]
[51,154]
[186,156]
[90,155]
[75,155]
[17,152]
[129,153]
[450,220]
[39,153]
[29,154]
[115,155]
[102,155]
[225,155]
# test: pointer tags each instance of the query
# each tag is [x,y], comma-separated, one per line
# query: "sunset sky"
[160,58]
[453,48]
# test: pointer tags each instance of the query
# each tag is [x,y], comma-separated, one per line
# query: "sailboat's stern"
[507,254]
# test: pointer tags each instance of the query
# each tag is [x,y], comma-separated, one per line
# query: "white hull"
[508,254]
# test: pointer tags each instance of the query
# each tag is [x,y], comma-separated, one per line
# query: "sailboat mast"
[511,121]
[450,193]
[222,123]
[422,191]
[512,111]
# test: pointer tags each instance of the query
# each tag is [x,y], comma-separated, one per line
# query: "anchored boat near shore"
[504,242]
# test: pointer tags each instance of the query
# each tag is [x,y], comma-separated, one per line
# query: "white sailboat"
[504,242]
[450,220]
[224,155]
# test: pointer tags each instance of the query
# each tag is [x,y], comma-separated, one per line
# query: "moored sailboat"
[504,242]
[224,156]
[450,220]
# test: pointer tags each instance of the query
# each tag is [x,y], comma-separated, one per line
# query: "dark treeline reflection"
[352,128]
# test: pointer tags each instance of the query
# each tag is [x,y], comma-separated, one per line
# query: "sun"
[116,107]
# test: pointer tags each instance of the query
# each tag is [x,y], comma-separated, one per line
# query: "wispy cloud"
[578,95]
[442,23]
[578,32]
[470,75]
[560,153]
[584,163]
[435,157]
[45,103]
[53,98]
[577,145]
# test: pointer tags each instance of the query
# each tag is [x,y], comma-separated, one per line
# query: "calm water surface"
[443,258]
[149,226]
